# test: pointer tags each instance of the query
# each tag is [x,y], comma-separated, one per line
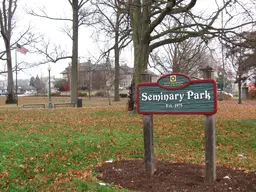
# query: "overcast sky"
[52,30]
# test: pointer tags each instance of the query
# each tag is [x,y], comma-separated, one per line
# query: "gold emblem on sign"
[173,79]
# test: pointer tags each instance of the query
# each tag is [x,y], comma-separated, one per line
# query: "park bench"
[33,105]
[64,105]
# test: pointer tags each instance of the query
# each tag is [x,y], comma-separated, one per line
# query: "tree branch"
[161,16]
[183,9]
[57,53]
[44,15]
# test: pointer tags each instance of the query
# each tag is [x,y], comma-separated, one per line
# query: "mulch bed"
[174,177]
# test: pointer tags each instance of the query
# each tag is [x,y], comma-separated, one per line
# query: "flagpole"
[16,76]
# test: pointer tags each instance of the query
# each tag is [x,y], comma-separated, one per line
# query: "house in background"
[126,75]
[66,74]
[91,75]
[101,76]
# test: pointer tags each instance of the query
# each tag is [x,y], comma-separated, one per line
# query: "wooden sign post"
[210,139]
[177,94]
[148,134]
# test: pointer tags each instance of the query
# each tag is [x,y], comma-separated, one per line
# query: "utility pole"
[16,68]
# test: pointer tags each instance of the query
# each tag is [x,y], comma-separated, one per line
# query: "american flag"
[21,49]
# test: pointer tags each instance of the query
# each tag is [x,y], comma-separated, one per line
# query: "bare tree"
[7,24]
[6,18]
[107,78]
[85,76]
[114,22]
[79,17]
[242,57]
[51,52]
[186,57]
[151,28]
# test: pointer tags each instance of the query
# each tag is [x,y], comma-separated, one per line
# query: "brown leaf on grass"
[4,174]
[87,173]
[42,178]
[56,188]
[83,174]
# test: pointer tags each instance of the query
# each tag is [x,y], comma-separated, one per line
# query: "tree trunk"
[141,53]
[108,95]
[90,85]
[10,86]
[74,52]
[117,66]
[175,63]
[141,37]
[239,90]
[6,16]
[90,78]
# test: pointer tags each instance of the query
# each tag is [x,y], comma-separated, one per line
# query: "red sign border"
[178,113]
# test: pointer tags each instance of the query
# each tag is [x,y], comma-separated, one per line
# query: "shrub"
[55,94]
[225,96]
[100,94]
[252,94]
[123,95]
[83,94]
[65,86]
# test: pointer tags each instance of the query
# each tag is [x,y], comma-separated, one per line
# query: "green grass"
[51,150]
[36,153]
[249,121]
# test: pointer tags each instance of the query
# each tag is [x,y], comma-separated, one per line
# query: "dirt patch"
[175,177]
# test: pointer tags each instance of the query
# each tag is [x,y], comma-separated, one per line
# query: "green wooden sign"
[177,94]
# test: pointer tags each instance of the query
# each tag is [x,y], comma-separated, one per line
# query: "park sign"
[177,94]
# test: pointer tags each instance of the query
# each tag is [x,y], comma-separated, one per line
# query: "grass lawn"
[55,150]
